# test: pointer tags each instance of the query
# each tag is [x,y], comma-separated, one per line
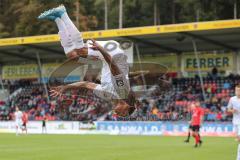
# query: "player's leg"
[194,134]
[195,130]
[189,134]
[71,38]
[22,128]
[197,138]
[73,31]
[18,128]
[238,152]
[69,46]
[236,130]
[16,125]
[72,47]
[43,129]
[200,140]
[238,133]
[66,38]
[25,127]
[60,12]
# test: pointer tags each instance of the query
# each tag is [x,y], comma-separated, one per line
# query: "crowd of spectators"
[174,104]
[74,105]
[169,105]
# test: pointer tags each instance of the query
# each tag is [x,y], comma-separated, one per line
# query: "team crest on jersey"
[119,82]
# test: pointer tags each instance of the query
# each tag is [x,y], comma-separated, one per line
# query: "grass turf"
[103,147]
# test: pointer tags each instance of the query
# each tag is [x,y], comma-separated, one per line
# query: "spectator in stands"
[214,74]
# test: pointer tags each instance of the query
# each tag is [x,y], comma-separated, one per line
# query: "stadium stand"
[173,105]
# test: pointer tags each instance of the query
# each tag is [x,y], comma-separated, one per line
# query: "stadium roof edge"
[148,30]
[174,38]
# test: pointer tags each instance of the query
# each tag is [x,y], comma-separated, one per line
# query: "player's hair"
[237,86]
[131,100]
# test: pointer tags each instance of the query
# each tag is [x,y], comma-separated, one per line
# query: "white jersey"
[234,103]
[18,116]
[108,81]
[113,48]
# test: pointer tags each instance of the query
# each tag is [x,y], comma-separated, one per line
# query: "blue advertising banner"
[163,128]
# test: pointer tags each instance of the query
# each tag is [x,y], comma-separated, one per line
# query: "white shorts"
[121,85]
[18,124]
[106,92]
[236,129]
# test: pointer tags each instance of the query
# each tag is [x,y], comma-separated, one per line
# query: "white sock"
[238,152]
[78,40]
[65,37]
[16,131]
[68,22]
[73,31]
[61,25]
[66,41]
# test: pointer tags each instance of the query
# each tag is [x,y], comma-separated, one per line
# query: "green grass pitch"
[103,147]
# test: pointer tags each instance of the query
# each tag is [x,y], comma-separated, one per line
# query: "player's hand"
[57,91]
[121,111]
[234,110]
[95,45]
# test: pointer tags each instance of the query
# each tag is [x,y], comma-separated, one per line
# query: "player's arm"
[201,119]
[14,116]
[76,53]
[230,107]
[191,120]
[57,91]
[113,67]
[232,110]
